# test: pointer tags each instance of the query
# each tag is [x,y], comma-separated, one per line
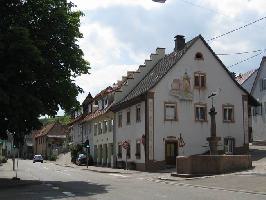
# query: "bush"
[75,150]
[52,158]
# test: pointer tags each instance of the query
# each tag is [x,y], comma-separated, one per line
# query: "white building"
[162,110]
[255,84]
[101,122]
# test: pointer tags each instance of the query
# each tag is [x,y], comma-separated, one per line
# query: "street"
[59,182]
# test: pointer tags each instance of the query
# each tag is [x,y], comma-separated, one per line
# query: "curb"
[106,172]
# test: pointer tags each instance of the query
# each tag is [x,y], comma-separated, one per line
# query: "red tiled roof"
[242,77]
[97,113]
[44,130]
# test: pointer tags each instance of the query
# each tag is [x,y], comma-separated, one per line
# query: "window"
[119,152]
[128,151]
[138,119]
[110,125]
[200,112]
[89,108]
[120,119]
[104,126]
[105,102]
[100,128]
[170,112]
[138,150]
[199,80]
[95,129]
[228,113]
[199,56]
[128,117]
[229,145]
[263,84]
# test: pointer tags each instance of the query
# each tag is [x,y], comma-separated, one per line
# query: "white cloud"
[96,4]
[107,56]
[236,7]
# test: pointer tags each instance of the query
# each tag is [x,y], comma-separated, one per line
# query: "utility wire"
[200,6]
[239,53]
[245,59]
[237,29]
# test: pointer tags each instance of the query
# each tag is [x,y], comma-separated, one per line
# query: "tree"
[39,58]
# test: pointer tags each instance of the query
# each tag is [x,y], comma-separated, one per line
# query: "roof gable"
[163,67]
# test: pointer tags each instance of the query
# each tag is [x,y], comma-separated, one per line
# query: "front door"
[171,151]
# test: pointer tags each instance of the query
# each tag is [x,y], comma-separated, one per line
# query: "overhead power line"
[237,29]
[203,7]
[245,59]
[239,53]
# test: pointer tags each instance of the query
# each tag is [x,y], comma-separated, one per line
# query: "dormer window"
[105,102]
[199,56]
[89,108]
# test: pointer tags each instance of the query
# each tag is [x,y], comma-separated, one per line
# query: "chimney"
[179,42]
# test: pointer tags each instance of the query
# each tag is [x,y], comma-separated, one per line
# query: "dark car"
[82,160]
[38,158]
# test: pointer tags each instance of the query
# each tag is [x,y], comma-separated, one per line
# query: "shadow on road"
[31,189]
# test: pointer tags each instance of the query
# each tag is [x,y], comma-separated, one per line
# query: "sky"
[118,35]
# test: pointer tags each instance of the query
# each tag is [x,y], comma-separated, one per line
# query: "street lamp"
[159,1]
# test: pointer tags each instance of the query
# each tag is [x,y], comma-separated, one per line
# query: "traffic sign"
[125,144]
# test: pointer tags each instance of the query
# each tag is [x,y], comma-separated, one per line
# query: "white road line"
[55,188]
[48,184]
[69,194]
[118,175]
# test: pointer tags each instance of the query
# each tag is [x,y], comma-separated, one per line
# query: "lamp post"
[213,139]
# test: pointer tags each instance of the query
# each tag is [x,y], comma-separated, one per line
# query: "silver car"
[38,158]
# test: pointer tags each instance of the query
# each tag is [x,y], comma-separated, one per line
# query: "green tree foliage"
[39,59]
[61,119]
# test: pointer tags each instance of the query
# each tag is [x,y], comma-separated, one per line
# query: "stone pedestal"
[213,143]
[213,140]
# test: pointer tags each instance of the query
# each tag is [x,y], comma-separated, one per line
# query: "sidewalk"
[6,175]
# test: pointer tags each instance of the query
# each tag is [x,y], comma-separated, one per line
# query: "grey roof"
[249,82]
[157,72]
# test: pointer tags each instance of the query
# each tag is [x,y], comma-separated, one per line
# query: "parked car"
[38,158]
[82,160]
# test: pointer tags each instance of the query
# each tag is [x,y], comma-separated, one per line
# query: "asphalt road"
[57,182]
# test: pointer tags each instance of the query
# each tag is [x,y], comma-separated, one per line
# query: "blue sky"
[120,34]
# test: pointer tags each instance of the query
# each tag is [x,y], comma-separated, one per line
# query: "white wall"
[131,132]
[195,133]
[259,121]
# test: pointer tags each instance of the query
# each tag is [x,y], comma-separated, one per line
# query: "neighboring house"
[27,149]
[100,127]
[79,129]
[49,140]
[162,110]
[255,84]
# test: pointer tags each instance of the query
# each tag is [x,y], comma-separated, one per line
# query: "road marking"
[55,188]
[69,194]
[48,184]
[118,175]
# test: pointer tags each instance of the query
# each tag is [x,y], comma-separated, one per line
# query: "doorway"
[171,151]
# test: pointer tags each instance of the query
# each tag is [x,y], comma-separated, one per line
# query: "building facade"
[162,110]
[255,84]
[49,140]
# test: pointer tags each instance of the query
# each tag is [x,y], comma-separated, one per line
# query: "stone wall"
[212,164]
